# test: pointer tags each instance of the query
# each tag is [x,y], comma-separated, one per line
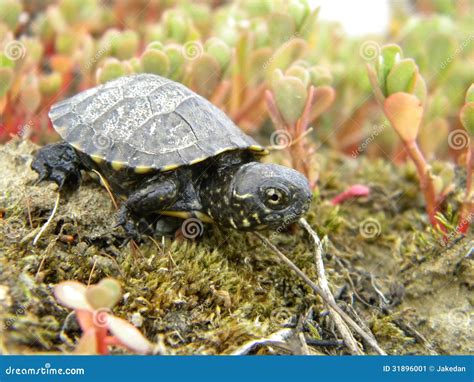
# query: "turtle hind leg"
[60,163]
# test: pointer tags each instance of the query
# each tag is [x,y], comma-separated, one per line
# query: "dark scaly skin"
[232,189]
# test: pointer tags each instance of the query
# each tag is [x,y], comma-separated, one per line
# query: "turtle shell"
[147,122]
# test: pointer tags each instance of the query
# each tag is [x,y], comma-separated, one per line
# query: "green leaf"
[290,96]
[281,28]
[156,62]
[389,55]
[402,77]
[218,49]
[286,54]
[299,72]
[49,84]
[470,94]
[467,117]
[111,70]
[205,75]
[320,75]
[10,11]
[176,25]
[175,55]
[6,80]
[298,10]
[126,44]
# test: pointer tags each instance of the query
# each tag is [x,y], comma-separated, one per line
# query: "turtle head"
[267,196]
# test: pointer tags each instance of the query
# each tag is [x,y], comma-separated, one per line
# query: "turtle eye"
[275,198]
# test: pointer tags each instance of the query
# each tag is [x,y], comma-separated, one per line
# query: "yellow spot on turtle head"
[245,223]
[117,166]
[256,217]
[143,169]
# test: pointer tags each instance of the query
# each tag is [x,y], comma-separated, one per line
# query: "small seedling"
[100,329]
[400,91]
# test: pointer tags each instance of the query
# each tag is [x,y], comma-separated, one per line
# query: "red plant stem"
[426,183]
[275,115]
[101,336]
[302,123]
[252,101]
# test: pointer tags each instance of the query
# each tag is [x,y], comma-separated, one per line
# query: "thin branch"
[341,326]
[370,340]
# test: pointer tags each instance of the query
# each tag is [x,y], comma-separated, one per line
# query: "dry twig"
[367,337]
[341,326]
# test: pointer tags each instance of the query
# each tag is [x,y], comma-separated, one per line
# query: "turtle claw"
[134,229]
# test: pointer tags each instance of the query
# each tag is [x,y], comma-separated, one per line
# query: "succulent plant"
[257,60]
[92,306]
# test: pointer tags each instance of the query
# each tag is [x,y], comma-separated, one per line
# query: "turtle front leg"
[136,212]
[59,163]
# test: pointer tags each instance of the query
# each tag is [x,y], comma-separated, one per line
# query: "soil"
[386,266]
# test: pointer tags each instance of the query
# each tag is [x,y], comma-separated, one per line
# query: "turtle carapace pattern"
[172,155]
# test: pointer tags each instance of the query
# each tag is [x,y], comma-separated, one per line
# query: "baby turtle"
[173,155]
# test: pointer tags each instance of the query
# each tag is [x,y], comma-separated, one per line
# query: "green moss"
[213,295]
